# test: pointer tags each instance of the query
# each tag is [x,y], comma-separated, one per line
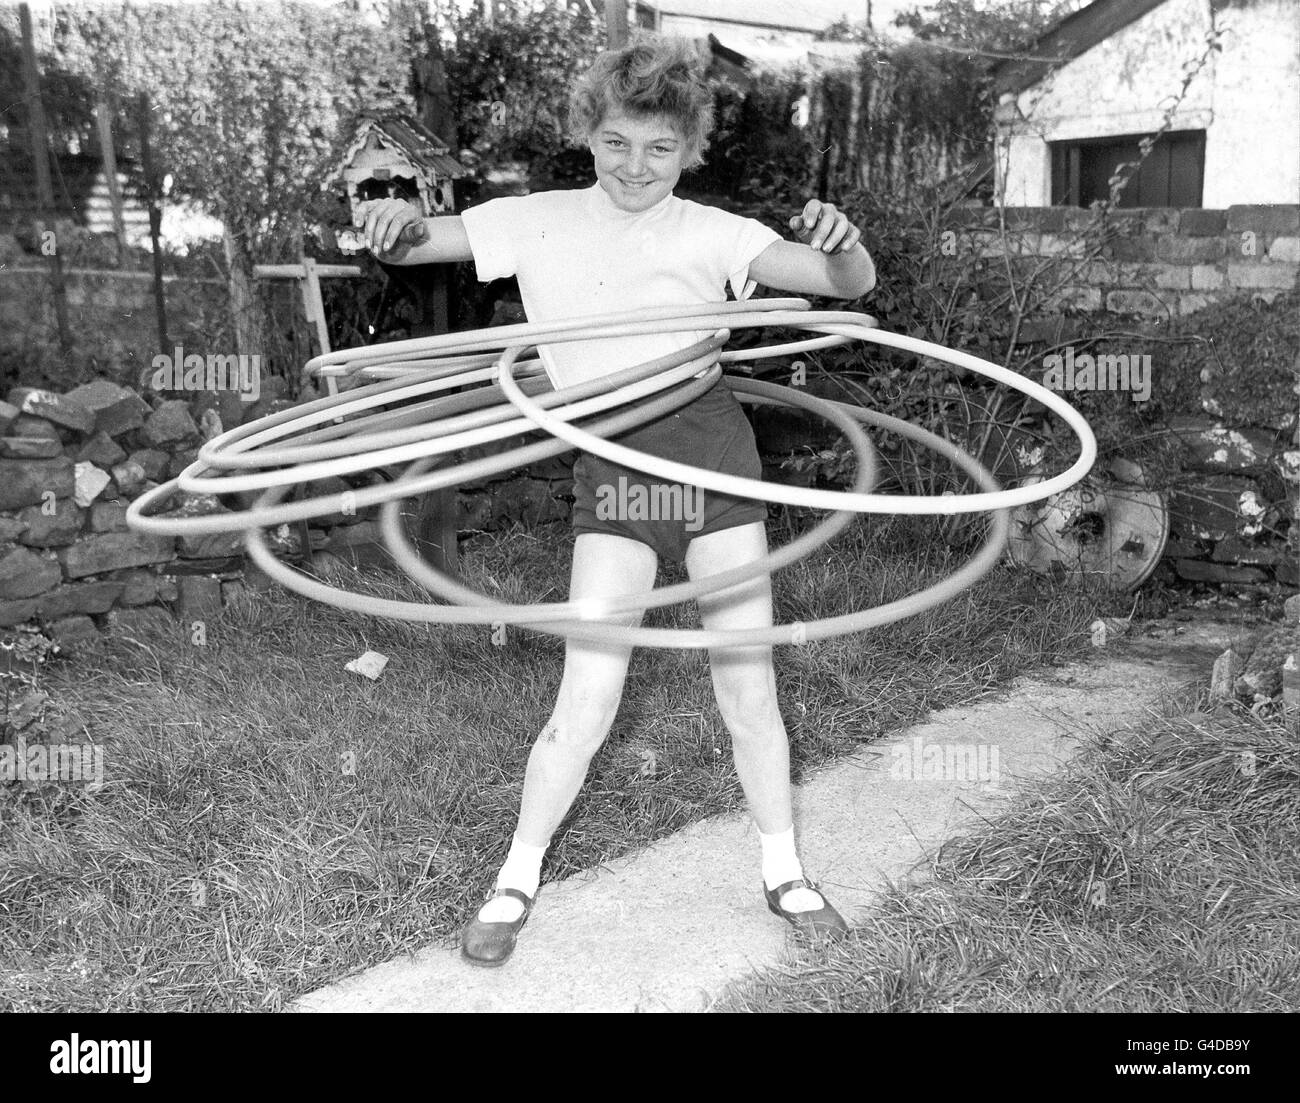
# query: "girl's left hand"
[823,227]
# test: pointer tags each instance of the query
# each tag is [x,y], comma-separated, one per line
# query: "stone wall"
[1235,518]
[1152,263]
[69,466]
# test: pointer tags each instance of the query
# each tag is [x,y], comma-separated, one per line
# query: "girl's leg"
[604,566]
[745,686]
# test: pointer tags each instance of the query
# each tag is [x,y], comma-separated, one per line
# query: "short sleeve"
[491,229]
[748,238]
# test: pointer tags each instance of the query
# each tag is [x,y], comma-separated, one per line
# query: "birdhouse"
[394,156]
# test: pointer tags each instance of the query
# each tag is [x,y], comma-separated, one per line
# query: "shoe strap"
[518,894]
[797,883]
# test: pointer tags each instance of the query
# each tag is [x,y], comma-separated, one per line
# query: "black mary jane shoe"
[491,944]
[821,923]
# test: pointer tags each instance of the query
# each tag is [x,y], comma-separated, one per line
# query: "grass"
[270,823]
[1156,873]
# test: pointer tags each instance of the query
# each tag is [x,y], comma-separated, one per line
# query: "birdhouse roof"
[424,149]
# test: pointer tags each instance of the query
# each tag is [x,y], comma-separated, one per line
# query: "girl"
[628,242]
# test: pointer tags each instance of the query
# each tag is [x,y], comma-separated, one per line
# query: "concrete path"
[667,928]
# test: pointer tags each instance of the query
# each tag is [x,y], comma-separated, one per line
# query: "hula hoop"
[423,434]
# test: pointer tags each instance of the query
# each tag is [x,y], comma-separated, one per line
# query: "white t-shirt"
[574,253]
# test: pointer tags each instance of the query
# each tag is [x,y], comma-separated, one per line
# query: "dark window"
[1171,176]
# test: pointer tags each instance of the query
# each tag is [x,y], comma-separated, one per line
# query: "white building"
[1116,68]
[765,30]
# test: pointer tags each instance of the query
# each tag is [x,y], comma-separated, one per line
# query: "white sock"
[781,864]
[522,871]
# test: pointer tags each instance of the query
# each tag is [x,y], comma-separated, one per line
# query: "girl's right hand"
[391,226]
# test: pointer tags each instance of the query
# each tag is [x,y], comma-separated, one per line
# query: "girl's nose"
[636,162]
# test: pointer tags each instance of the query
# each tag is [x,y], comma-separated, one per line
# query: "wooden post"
[108,155]
[153,190]
[616,23]
[308,273]
[435,525]
[44,186]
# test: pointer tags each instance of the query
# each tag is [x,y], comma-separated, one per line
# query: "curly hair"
[652,76]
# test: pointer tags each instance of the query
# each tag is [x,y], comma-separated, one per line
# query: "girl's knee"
[582,722]
[747,705]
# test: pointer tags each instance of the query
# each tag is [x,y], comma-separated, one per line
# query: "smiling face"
[638,159]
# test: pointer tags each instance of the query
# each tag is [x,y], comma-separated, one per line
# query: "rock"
[259,582]
[170,423]
[89,484]
[28,426]
[139,587]
[1236,550]
[17,612]
[229,566]
[74,634]
[1198,570]
[196,505]
[214,545]
[108,517]
[1291,681]
[1291,608]
[25,574]
[10,529]
[30,482]
[111,550]
[30,448]
[225,405]
[117,409]
[234,593]
[142,587]
[200,599]
[180,461]
[151,461]
[8,415]
[147,620]
[1208,446]
[50,529]
[83,597]
[210,425]
[1227,669]
[102,451]
[1262,683]
[1212,509]
[130,478]
[60,409]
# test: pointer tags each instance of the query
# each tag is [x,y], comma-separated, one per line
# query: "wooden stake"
[153,196]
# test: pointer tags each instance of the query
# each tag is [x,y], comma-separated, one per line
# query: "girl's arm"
[397,234]
[829,260]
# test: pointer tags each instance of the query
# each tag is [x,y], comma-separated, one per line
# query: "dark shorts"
[711,433]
